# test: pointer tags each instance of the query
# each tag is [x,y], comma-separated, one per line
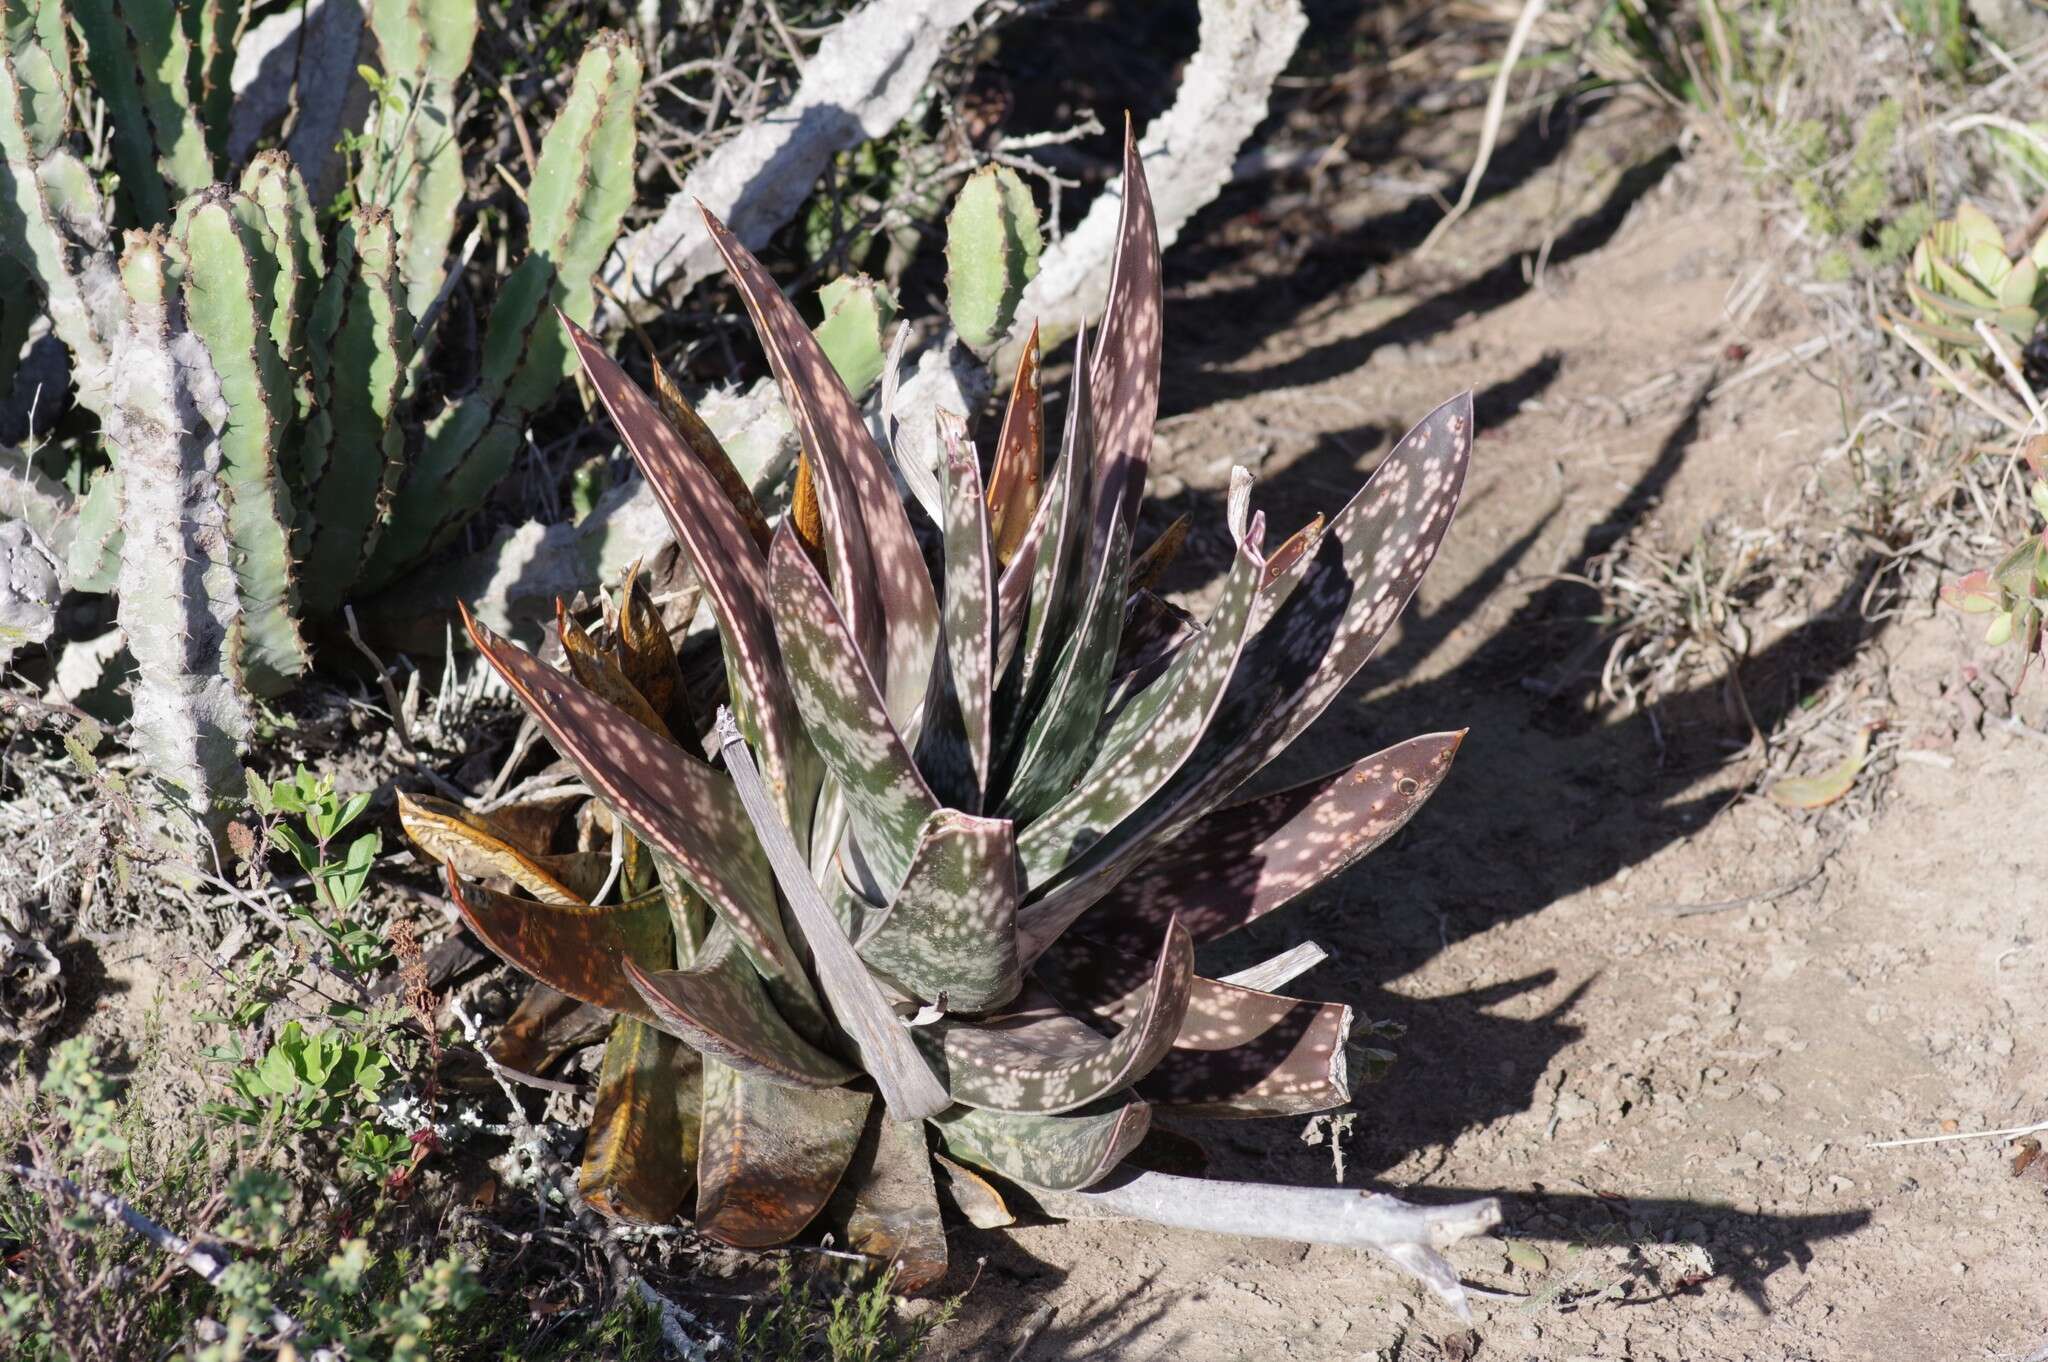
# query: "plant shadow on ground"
[1548,798]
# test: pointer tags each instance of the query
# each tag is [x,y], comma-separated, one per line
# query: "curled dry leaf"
[1817,792]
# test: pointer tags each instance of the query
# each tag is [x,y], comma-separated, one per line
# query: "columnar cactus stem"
[580,190]
[223,259]
[138,55]
[360,340]
[51,217]
[180,606]
[416,171]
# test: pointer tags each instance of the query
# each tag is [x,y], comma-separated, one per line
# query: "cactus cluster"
[290,410]
[968,835]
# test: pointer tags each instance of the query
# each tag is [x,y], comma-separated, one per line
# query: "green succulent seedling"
[1960,275]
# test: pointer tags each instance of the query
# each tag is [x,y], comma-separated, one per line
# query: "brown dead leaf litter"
[1676,1106]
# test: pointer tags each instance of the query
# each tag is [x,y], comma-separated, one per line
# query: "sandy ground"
[1676,1110]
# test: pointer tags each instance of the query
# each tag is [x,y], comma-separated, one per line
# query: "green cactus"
[417,168]
[581,188]
[360,342]
[138,55]
[992,246]
[180,607]
[225,261]
[328,466]
[857,315]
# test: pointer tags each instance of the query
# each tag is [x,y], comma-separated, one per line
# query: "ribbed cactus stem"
[992,248]
[138,54]
[51,217]
[360,340]
[180,608]
[415,165]
[271,186]
[581,188]
[214,28]
[226,271]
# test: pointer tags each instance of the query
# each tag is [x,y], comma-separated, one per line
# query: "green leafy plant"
[338,875]
[268,413]
[315,1078]
[950,882]
[265,1276]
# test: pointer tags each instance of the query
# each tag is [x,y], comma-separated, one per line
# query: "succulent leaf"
[1058,740]
[1036,1058]
[573,948]
[888,1055]
[1057,1153]
[718,1008]
[967,669]
[1017,477]
[1240,1052]
[474,848]
[647,655]
[546,1026]
[641,1153]
[1351,587]
[1039,588]
[894,1215]
[598,672]
[703,442]
[1124,377]
[673,802]
[1153,733]
[951,931]
[1247,859]
[878,573]
[886,796]
[974,1196]
[713,534]
[770,1155]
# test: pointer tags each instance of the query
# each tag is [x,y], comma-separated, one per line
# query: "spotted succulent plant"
[949,886]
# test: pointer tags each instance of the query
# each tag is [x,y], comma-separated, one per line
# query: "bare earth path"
[1676,1108]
